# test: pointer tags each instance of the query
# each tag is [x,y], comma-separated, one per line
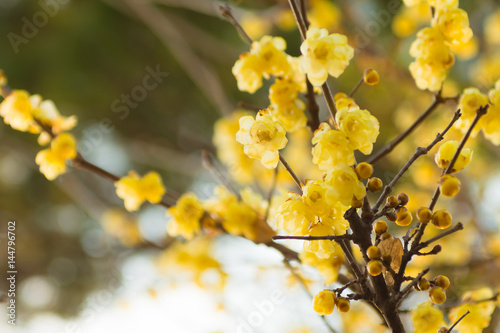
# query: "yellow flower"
[454,26]
[186,216]
[428,74]
[16,110]
[446,152]
[430,45]
[314,196]
[327,268]
[466,51]
[322,248]
[324,302]
[52,161]
[270,51]
[283,91]
[46,112]
[262,138]
[359,126]
[443,4]
[134,190]
[266,58]
[427,318]
[331,148]
[480,313]
[237,217]
[324,54]
[248,72]
[291,115]
[241,167]
[295,216]
[342,185]
[470,101]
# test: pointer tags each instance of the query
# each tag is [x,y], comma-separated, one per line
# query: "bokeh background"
[72,269]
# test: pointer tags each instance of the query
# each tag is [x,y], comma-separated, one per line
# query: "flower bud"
[403,217]
[442,281]
[374,184]
[403,199]
[374,267]
[343,304]
[371,77]
[324,302]
[373,252]
[391,201]
[441,219]
[424,215]
[380,227]
[437,295]
[449,186]
[364,170]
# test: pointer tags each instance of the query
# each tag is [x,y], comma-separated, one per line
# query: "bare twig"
[391,145]
[290,171]
[456,323]
[418,152]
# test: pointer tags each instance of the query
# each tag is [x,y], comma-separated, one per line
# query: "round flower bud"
[380,227]
[449,185]
[374,267]
[424,215]
[374,184]
[403,217]
[437,295]
[442,281]
[441,219]
[324,302]
[364,170]
[343,304]
[443,330]
[423,284]
[356,203]
[391,201]
[391,216]
[371,77]
[403,199]
[373,252]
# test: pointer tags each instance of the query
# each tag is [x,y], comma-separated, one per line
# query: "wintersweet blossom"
[262,138]
[186,216]
[52,161]
[134,190]
[324,54]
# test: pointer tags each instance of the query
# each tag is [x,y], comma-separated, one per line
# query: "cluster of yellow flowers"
[433,48]
[470,101]
[29,113]
[134,190]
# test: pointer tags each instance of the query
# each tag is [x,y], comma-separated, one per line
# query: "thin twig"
[391,145]
[418,152]
[225,11]
[456,323]
[356,87]
[290,171]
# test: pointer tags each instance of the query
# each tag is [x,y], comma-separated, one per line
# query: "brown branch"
[418,152]
[438,99]
[290,171]
[356,87]
[402,294]
[456,323]
[225,11]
